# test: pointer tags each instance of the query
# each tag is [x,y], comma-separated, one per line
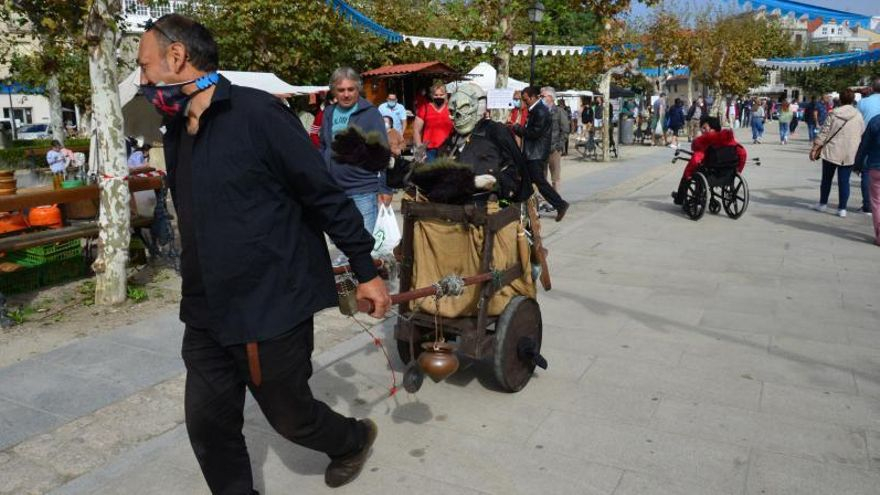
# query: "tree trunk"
[501,59]
[605,89]
[690,89]
[114,219]
[56,119]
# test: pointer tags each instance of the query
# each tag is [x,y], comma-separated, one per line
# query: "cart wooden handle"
[366,306]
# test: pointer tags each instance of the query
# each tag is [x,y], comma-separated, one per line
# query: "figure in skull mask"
[487,146]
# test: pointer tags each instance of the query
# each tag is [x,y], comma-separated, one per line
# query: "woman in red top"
[433,123]
[519,115]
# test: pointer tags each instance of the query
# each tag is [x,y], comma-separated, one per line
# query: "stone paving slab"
[710,365]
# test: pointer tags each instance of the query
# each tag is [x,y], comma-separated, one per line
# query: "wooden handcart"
[511,338]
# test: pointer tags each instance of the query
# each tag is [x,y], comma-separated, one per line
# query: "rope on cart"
[450,285]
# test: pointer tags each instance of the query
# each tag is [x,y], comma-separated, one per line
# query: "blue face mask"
[516,103]
[391,104]
[170,100]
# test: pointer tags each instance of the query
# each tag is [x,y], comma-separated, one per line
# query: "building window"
[22,115]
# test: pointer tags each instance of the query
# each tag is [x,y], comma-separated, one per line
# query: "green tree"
[56,25]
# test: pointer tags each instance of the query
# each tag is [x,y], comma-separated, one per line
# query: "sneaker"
[866,211]
[841,213]
[673,146]
[820,207]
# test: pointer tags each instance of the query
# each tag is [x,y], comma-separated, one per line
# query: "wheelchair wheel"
[714,205]
[735,197]
[696,197]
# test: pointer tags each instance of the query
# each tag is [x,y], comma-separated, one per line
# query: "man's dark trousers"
[215,391]
[539,178]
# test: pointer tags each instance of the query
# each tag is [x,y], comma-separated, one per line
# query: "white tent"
[142,121]
[483,75]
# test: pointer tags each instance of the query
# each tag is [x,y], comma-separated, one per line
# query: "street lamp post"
[536,13]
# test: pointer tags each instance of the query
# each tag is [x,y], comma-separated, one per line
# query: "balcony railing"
[138,11]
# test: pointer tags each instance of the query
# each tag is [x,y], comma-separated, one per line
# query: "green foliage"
[13,158]
[718,47]
[45,143]
[21,314]
[87,291]
[137,294]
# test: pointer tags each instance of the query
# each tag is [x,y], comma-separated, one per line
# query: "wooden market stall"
[407,81]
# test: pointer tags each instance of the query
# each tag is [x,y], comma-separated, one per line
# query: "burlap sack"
[442,248]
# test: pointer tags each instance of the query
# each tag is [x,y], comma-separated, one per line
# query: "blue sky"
[867,7]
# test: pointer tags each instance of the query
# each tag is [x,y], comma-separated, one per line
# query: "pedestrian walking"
[870,107]
[694,114]
[795,118]
[868,163]
[394,109]
[758,118]
[785,118]
[252,209]
[837,144]
[559,132]
[537,137]
[658,120]
[353,110]
[675,121]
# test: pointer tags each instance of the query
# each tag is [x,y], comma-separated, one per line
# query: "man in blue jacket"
[870,108]
[350,109]
[253,202]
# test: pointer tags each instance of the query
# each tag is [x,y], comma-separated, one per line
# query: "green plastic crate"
[56,272]
[24,280]
[43,254]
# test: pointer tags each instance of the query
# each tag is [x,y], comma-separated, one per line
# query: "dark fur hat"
[445,181]
[365,150]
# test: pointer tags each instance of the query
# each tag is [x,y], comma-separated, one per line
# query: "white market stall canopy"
[142,121]
[800,10]
[483,75]
[574,92]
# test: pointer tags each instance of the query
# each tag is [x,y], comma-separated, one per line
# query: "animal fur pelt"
[445,181]
[365,150]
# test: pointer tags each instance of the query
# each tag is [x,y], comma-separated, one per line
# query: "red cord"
[378,343]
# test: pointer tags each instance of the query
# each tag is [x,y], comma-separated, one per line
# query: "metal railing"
[138,11]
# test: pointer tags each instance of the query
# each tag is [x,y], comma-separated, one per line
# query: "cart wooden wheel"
[518,329]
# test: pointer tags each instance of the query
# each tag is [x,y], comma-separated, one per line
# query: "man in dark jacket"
[352,110]
[537,136]
[253,200]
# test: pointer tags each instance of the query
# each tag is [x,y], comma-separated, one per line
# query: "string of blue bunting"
[799,9]
[19,88]
[357,18]
[657,71]
[818,61]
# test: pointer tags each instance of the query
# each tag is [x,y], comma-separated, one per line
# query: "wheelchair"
[716,184]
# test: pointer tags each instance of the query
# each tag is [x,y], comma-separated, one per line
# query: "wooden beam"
[17,202]
[43,237]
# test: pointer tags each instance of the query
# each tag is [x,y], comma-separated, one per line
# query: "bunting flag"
[657,72]
[819,61]
[357,18]
[804,11]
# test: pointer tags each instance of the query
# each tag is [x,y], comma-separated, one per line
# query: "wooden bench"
[18,202]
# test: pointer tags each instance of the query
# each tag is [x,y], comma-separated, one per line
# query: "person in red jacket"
[712,137]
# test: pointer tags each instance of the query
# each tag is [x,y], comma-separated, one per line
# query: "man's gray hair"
[346,74]
[549,90]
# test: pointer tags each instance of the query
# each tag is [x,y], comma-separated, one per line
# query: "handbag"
[817,151]
[386,232]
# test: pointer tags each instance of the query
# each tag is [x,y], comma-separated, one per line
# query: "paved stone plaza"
[709,357]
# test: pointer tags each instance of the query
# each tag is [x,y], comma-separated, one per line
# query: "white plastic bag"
[386,232]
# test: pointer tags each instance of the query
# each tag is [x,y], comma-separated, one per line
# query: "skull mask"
[466,106]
